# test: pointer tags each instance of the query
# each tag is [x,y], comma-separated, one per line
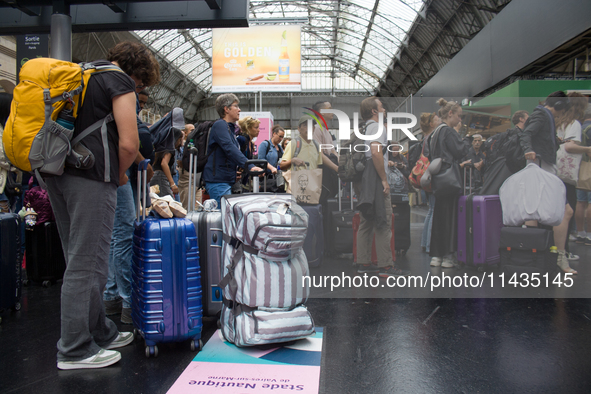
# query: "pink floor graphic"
[222,367]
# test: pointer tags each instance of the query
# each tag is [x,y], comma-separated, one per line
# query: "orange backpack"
[419,169]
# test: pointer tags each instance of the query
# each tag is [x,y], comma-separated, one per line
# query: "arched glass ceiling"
[346,44]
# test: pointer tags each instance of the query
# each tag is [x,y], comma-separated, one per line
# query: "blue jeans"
[426,236]
[119,279]
[175,178]
[583,196]
[216,190]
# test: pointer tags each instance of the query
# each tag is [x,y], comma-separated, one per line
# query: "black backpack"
[352,163]
[493,147]
[514,154]
[198,138]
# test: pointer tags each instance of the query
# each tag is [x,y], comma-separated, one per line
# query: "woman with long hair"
[569,133]
[450,148]
[428,122]
[164,167]
[249,128]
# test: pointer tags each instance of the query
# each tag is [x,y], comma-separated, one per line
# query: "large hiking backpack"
[514,154]
[493,146]
[162,133]
[351,162]
[199,138]
[33,140]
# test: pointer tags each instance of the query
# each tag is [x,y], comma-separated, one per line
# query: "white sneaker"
[572,237]
[123,339]
[103,358]
[435,261]
[572,257]
[448,262]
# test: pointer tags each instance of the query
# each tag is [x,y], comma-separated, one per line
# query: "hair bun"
[442,102]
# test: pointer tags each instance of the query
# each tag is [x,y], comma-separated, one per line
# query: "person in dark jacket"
[224,155]
[84,204]
[476,158]
[451,148]
[374,198]
[538,139]
[540,142]
[428,122]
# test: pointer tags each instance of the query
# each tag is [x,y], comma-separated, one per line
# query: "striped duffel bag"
[263,270]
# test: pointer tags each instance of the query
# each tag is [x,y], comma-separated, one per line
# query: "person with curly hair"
[84,203]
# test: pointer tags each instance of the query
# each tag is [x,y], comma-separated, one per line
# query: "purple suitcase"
[480,220]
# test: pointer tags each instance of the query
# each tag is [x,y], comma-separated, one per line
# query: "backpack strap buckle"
[46,96]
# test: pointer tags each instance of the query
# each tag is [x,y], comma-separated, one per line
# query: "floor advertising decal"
[222,367]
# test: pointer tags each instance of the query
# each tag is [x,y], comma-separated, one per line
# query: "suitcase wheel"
[17,306]
[196,344]
[151,351]
[46,283]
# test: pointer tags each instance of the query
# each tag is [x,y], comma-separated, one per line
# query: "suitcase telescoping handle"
[142,177]
[255,179]
[466,167]
[192,178]
[350,195]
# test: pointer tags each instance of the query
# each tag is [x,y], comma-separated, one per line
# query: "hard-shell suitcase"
[527,250]
[314,242]
[340,234]
[401,213]
[480,220]
[209,229]
[166,281]
[10,262]
[45,256]
[374,256]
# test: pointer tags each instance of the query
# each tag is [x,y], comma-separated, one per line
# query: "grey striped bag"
[264,326]
[272,224]
[260,282]
[263,270]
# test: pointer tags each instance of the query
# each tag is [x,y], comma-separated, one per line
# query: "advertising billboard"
[259,58]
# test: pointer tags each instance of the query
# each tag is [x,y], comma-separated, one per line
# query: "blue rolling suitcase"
[166,281]
[10,262]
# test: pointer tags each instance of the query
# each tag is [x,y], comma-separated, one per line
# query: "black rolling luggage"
[340,231]
[209,234]
[527,250]
[10,262]
[401,213]
[45,257]
[314,242]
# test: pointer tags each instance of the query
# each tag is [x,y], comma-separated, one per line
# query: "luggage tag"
[282,209]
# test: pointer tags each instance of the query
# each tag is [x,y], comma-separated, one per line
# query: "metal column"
[61,37]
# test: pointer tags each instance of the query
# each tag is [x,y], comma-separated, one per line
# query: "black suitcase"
[10,262]
[209,234]
[314,243]
[527,250]
[340,232]
[401,213]
[45,256]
